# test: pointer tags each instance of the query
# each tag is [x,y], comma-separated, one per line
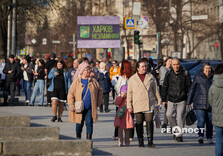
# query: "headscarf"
[80,70]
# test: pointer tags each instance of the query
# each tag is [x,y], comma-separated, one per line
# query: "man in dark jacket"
[174,93]
[12,71]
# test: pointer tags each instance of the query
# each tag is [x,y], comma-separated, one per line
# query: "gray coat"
[215,96]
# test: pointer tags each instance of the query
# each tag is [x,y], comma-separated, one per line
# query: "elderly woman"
[86,89]
[141,96]
[198,94]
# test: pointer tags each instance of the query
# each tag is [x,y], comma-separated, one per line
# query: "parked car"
[189,65]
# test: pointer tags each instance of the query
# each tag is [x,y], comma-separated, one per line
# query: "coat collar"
[89,79]
[146,80]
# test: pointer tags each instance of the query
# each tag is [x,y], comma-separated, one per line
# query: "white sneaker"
[210,141]
[114,138]
[27,101]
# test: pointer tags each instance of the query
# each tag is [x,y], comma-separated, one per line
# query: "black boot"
[139,130]
[78,135]
[101,109]
[88,136]
[150,129]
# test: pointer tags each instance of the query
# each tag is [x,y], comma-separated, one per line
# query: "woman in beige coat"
[84,86]
[141,96]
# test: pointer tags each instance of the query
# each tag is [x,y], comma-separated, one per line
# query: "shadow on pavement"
[182,144]
[45,117]
[99,152]
[37,125]
[67,137]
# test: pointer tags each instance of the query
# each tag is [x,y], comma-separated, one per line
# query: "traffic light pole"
[141,56]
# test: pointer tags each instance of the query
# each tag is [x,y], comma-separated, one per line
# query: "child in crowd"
[123,119]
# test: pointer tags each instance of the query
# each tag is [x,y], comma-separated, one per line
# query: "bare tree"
[27,11]
[158,12]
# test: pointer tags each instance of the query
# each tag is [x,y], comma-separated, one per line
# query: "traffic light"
[136,37]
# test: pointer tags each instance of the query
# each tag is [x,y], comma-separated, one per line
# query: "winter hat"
[80,69]
[102,65]
[123,89]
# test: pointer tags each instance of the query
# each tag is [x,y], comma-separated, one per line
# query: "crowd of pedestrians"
[137,88]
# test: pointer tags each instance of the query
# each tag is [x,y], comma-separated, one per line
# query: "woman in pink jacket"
[123,120]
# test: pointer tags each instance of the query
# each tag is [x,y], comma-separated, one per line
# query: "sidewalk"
[104,130]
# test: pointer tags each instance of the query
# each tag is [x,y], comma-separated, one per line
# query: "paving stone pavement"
[104,130]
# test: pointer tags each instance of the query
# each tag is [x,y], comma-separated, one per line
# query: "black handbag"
[190,117]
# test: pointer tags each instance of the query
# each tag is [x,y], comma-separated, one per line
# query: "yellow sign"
[23,52]
[130,23]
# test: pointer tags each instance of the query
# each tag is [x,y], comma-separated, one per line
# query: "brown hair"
[168,58]
[69,62]
[219,69]
[62,62]
[206,64]
[126,69]
[140,61]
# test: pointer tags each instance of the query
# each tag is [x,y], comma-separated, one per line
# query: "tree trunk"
[175,41]
[182,45]
[3,40]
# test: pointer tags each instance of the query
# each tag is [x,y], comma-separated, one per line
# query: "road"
[104,130]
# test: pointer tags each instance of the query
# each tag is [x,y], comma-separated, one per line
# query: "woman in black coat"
[198,94]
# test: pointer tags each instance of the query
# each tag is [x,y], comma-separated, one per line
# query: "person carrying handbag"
[123,119]
[198,95]
[93,99]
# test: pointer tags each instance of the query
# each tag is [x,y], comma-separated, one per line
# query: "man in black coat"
[12,71]
[175,89]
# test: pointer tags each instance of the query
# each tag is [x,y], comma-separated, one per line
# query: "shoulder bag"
[121,112]
[79,105]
